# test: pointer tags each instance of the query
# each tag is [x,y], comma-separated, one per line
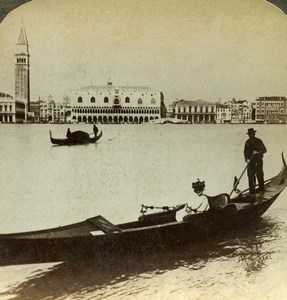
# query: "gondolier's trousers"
[255,170]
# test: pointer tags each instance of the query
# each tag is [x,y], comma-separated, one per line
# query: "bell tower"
[22,70]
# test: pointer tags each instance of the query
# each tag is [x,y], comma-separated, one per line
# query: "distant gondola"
[76,138]
[97,237]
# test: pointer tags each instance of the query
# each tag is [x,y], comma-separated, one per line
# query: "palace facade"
[271,109]
[195,111]
[115,104]
[11,111]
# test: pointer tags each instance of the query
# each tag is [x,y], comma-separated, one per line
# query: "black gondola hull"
[98,238]
[70,142]
[135,239]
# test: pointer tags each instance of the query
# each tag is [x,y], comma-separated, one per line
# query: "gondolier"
[69,134]
[95,129]
[254,150]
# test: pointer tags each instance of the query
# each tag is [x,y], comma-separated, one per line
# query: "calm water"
[45,186]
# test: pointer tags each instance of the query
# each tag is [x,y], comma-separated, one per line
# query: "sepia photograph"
[143,149]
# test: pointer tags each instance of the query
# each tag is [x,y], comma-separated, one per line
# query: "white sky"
[189,49]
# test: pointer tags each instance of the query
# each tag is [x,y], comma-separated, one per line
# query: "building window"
[93,100]
[106,100]
[80,99]
[140,101]
[127,100]
[153,101]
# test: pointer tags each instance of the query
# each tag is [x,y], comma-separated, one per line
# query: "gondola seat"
[218,201]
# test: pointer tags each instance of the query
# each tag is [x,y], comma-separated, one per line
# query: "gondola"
[98,237]
[77,138]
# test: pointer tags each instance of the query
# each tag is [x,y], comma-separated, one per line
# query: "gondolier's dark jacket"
[254,144]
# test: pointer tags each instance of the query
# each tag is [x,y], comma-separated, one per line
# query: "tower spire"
[22,40]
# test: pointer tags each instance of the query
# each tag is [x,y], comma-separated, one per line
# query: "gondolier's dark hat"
[251,131]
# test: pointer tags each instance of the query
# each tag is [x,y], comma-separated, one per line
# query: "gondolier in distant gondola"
[254,150]
[69,134]
[95,129]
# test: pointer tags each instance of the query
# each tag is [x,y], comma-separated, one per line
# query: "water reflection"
[254,259]
[252,246]
[248,247]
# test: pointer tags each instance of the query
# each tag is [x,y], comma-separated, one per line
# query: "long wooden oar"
[238,179]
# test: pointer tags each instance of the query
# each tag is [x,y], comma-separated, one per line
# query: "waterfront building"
[242,111]
[7,108]
[271,109]
[115,104]
[22,77]
[51,111]
[195,111]
[223,113]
